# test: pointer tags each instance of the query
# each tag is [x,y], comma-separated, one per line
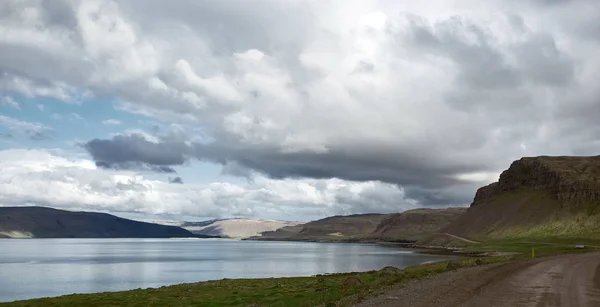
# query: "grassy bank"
[322,290]
[541,246]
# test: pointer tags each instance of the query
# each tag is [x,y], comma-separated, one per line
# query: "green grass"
[542,246]
[575,226]
[323,290]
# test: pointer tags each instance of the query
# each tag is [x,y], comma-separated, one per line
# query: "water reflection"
[50,267]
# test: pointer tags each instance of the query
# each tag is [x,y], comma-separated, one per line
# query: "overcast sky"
[289,109]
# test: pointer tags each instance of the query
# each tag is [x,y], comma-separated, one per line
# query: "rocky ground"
[567,280]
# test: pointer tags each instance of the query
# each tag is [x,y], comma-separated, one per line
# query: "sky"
[292,109]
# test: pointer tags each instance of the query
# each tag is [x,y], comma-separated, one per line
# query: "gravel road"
[567,280]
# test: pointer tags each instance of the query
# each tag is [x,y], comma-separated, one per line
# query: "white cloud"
[71,182]
[30,89]
[111,122]
[34,131]
[422,94]
[10,102]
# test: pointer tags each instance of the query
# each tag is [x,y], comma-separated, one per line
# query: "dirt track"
[569,280]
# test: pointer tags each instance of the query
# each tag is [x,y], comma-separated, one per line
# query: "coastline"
[315,290]
[422,249]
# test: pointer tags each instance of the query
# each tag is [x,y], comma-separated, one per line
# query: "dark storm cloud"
[136,166]
[176,180]
[134,151]
[407,168]
[345,163]
[418,175]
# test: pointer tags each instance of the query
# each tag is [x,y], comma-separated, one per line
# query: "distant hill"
[42,222]
[238,228]
[334,228]
[341,227]
[408,226]
[536,197]
[414,225]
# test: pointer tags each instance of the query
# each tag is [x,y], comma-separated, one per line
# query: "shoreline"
[318,289]
[393,249]
[422,249]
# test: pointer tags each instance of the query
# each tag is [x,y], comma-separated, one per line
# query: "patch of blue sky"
[72,124]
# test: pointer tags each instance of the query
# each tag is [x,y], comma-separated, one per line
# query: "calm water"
[50,267]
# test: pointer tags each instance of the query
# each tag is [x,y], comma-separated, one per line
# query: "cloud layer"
[33,131]
[431,98]
[44,178]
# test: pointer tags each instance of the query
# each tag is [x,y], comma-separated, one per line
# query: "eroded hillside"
[408,226]
[413,225]
[537,196]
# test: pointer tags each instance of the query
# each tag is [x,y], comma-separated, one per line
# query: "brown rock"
[533,192]
[351,282]
[389,270]
[453,265]
[563,178]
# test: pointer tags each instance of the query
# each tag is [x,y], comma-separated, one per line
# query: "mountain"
[408,226]
[414,225]
[42,222]
[536,197]
[334,228]
[235,228]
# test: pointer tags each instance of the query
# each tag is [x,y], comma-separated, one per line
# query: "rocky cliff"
[536,196]
[561,178]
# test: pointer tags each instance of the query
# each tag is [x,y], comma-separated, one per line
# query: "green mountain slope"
[536,197]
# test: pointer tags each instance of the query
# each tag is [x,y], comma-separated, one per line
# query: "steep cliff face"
[536,196]
[561,178]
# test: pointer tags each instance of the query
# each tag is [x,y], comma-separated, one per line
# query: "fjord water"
[32,268]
